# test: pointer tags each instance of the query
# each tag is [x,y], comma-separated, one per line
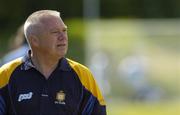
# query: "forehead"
[52,22]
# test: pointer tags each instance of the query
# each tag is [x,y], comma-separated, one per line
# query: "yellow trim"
[6,71]
[87,80]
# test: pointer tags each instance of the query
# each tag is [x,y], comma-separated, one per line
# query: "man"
[45,82]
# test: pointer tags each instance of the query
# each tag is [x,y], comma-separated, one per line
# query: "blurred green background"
[131,46]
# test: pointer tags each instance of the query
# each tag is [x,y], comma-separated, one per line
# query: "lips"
[61,45]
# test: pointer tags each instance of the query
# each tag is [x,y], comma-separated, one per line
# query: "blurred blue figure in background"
[17,45]
[98,65]
[133,69]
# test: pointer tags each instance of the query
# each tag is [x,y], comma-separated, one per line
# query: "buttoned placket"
[44,98]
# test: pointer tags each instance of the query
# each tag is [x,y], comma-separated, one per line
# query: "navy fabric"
[2,106]
[89,106]
[61,94]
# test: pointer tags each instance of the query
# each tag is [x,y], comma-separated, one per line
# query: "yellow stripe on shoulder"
[6,71]
[87,80]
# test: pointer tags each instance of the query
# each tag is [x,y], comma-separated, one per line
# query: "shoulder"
[12,63]
[7,69]
[87,79]
[83,73]
[78,67]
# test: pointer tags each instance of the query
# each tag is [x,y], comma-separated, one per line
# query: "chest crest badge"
[60,97]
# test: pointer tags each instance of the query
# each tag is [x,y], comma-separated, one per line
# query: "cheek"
[47,44]
[66,36]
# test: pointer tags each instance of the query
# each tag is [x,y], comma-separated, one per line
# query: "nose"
[61,36]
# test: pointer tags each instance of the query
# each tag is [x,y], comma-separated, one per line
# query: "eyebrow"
[52,29]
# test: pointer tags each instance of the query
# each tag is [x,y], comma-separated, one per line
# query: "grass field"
[125,108]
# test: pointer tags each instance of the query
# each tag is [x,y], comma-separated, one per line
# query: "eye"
[55,32]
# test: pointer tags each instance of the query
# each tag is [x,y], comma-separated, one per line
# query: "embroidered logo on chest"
[60,97]
[25,96]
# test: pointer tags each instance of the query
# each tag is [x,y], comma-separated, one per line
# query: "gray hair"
[32,24]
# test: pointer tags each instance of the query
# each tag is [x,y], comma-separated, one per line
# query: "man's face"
[53,39]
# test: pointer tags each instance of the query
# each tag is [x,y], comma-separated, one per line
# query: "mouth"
[61,45]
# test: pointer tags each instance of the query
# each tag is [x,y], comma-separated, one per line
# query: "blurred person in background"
[99,66]
[17,45]
[133,68]
[44,82]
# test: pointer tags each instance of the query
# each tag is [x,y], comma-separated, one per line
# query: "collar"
[28,64]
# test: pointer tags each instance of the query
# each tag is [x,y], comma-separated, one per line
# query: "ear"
[34,41]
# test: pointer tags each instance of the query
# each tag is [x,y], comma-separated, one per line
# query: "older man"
[44,82]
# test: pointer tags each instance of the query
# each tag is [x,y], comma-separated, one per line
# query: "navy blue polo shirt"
[70,89]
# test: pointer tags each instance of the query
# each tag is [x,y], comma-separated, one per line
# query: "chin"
[61,55]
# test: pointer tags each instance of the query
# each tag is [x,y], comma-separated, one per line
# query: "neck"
[44,64]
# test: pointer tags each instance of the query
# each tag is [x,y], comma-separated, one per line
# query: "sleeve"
[6,105]
[5,73]
[3,104]
[92,100]
[91,105]
[99,109]
[3,93]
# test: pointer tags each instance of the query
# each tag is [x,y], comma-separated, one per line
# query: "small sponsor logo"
[25,96]
[60,97]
